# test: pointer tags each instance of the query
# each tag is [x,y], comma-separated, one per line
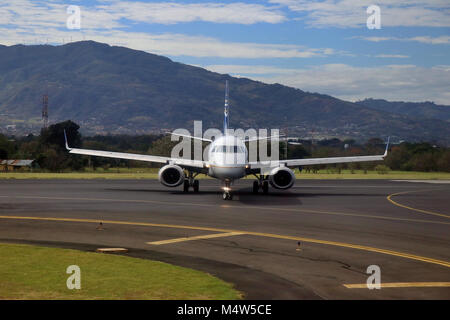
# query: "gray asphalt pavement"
[343,227]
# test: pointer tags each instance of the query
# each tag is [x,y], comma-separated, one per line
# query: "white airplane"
[227,161]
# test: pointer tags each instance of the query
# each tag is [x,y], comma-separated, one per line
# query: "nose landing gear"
[227,195]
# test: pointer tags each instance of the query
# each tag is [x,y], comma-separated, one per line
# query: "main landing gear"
[261,183]
[190,181]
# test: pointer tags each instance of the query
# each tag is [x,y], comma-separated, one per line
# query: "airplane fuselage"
[227,158]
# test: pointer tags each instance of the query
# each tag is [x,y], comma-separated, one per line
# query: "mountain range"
[111,89]
[421,110]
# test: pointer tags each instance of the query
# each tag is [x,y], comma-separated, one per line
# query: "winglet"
[65,138]
[387,148]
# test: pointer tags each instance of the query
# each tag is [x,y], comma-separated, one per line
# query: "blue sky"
[320,46]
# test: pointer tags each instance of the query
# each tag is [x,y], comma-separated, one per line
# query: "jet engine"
[171,175]
[282,178]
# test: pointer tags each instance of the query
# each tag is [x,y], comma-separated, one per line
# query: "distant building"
[14,165]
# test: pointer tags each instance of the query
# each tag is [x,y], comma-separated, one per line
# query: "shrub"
[382,169]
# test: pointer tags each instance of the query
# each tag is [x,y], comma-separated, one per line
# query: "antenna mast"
[45,111]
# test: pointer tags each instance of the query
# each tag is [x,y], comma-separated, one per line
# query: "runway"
[314,241]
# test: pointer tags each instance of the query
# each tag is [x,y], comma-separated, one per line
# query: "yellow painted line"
[274,209]
[359,247]
[259,234]
[130,223]
[402,285]
[112,250]
[389,198]
[206,236]
[352,215]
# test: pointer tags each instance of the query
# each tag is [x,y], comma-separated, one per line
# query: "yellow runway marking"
[259,234]
[359,247]
[233,206]
[206,236]
[389,198]
[402,285]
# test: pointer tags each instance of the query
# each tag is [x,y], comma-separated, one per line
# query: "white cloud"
[422,39]
[31,15]
[107,15]
[25,21]
[249,70]
[352,13]
[395,56]
[392,82]
[197,46]
[166,44]
[172,12]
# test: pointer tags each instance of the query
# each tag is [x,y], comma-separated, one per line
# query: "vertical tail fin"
[225,120]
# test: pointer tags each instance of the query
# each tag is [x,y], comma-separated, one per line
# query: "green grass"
[76,175]
[87,173]
[32,272]
[152,173]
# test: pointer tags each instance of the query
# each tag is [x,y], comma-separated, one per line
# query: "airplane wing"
[192,137]
[313,161]
[187,163]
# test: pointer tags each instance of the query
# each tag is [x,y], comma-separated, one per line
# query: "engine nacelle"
[171,175]
[282,178]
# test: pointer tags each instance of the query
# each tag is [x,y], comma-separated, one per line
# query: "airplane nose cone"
[229,159]
[230,173]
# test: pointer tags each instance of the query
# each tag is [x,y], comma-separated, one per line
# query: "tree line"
[49,152]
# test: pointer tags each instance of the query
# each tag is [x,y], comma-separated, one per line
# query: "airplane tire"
[227,196]
[255,186]
[186,186]
[265,187]
[196,185]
